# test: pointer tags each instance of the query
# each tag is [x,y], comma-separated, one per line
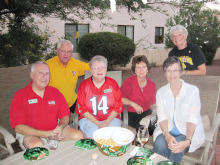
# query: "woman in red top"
[138,92]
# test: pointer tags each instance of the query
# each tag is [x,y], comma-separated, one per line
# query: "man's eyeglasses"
[63,51]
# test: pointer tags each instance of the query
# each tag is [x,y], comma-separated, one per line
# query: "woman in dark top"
[191,55]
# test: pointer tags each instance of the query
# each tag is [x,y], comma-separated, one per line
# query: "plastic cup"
[53,142]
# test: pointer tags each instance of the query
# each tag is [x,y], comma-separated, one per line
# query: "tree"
[24,43]
[118,49]
[203,27]
[80,9]
[15,14]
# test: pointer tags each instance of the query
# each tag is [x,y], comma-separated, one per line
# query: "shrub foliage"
[118,49]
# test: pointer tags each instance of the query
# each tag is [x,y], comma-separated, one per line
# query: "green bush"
[118,49]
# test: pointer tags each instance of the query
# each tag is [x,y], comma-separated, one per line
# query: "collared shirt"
[187,109]
[131,90]
[40,113]
[65,78]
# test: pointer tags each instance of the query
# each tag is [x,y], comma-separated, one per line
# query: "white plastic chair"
[117,76]
[9,139]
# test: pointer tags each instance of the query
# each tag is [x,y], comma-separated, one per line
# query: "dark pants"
[73,107]
[134,118]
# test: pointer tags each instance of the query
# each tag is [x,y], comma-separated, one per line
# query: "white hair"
[36,63]
[64,42]
[98,58]
[178,28]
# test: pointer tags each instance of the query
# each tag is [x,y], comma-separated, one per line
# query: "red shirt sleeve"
[17,113]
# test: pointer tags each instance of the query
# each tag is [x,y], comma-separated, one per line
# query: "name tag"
[107,90]
[32,101]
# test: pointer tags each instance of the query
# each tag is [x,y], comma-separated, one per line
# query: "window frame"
[156,38]
[75,50]
[125,26]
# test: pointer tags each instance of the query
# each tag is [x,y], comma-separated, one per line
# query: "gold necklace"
[144,84]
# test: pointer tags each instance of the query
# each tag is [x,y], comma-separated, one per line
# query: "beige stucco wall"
[154,56]
[144,34]
[217,55]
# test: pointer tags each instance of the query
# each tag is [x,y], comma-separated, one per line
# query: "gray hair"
[98,58]
[63,42]
[179,28]
[37,63]
[170,61]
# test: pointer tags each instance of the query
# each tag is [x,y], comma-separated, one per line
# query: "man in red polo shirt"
[35,111]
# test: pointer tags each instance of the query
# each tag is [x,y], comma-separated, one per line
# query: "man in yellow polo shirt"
[64,72]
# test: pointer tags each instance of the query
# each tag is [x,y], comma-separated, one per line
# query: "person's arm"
[30,131]
[82,67]
[201,70]
[126,91]
[169,138]
[190,131]
[137,107]
[64,121]
[180,146]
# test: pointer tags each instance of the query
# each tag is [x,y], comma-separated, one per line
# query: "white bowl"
[122,136]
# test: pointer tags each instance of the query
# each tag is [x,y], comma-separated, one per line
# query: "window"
[159,35]
[71,33]
[127,31]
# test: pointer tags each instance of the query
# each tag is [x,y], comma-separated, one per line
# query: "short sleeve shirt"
[131,90]
[191,56]
[40,113]
[99,102]
[65,78]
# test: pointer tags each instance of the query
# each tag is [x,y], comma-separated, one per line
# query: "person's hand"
[100,125]
[53,135]
[58,130]
[171,141]
[103,124]
[153,108]
[184,73]
[180,146]
[138,108]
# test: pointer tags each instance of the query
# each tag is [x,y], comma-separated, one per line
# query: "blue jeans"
[161,147]
[88,127]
